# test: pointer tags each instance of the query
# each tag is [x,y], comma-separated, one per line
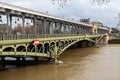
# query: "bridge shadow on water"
[13,64]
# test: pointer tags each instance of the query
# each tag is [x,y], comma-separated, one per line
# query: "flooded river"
[79,64]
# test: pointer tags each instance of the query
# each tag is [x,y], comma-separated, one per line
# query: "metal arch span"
[72,43]
[48,47]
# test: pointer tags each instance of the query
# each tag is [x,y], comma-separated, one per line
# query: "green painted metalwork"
[50,45]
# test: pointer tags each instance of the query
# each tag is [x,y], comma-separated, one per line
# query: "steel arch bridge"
[53,34]
[50,47]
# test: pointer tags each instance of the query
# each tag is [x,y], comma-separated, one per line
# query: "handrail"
[33,36]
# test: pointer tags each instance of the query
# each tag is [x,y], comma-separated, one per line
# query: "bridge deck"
[49,46]
[18,39]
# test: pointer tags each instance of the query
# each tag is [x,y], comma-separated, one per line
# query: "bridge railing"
[33,36]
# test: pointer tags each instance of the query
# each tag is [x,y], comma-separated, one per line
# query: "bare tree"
[3,29]
[17,29]
[100,2]
[28,29]
[62,3]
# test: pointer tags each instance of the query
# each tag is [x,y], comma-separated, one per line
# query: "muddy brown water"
[79,64]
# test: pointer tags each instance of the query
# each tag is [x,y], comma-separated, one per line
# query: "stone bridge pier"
[103,39]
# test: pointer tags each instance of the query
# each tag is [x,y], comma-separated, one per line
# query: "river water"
[79,64]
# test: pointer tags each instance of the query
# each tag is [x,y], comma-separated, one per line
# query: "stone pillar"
[51,27]
[44,26]
[68,25]
[10,25]
[83,29]
[58,27]
[61,28]
[75,29]
[94,29]
[64,28]
[23,25]
[80,29]
[34,26]
[9,20]
[8,17]
[72,29]
[67,29]
[106,38]
[47,27]
[41,27]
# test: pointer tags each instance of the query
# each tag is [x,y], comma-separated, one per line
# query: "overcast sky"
[77,9]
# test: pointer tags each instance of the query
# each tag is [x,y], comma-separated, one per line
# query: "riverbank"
[114,41]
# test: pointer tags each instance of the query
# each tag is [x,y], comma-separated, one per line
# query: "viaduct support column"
[80,29]
[72,30]
[68,26]
[58,27]
[63,28]
[7,16]
[10,25]
[23,25]
[106,39]
[44,26]
[51,27]
[34,26]
[65,32]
